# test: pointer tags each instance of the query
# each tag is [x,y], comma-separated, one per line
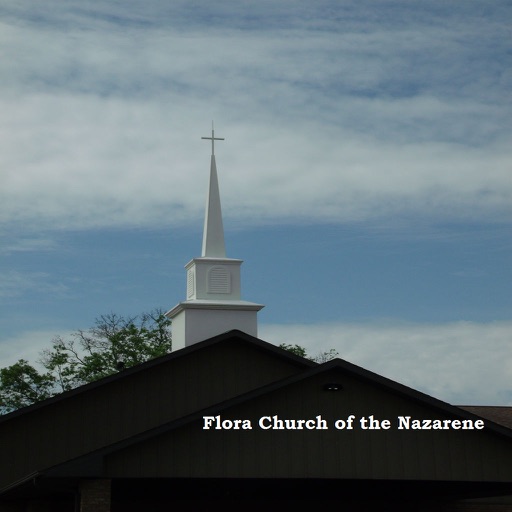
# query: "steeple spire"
[214,304]
[213,232]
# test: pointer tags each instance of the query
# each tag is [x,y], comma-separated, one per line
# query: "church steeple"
[213,233]
[213,303]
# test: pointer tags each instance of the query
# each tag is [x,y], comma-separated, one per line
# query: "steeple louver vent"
[219,280]
[190,283]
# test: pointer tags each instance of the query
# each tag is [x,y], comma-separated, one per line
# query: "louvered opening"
[219,280]
[190,283]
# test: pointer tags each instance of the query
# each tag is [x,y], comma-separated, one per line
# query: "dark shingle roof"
[499,414]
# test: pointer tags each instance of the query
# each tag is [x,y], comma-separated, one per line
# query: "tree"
[322,357]
[325,356]
[21,384]
[113,344]
[294,349]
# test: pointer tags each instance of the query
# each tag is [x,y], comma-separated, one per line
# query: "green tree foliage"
[322,357]
[294,349]
[325,356]
[21,384]
[113,344]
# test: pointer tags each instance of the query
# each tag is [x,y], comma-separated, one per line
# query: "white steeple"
[213,303]
[213,233]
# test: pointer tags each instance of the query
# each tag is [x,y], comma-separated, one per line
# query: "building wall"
[98,415]
[193,452]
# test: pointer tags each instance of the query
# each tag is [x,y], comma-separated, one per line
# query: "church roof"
[256,380]
[502,415]
[234,334]
[337,368]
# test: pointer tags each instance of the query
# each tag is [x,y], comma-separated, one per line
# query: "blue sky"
[365,174]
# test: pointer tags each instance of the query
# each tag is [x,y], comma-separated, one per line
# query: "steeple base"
[198,320]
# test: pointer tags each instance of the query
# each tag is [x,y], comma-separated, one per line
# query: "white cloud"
[354,118]
[93,161]
[462,363]
[16,284]
[21,245]
[26,345]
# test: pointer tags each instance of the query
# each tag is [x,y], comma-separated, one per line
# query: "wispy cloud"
[459,362]
[20,245]
[26,345]
[462,363]
[329,112]
[16,284]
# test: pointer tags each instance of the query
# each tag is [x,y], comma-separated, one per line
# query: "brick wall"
[95,495]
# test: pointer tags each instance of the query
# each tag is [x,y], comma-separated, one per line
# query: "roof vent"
[333,386]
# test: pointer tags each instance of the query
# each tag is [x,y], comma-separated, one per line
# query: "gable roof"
[240,336]
[346,375]
[502,415]
[295,388]
[137,399]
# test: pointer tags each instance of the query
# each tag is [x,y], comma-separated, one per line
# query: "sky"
[365,174]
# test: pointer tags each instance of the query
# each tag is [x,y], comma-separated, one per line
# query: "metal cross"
[213,138]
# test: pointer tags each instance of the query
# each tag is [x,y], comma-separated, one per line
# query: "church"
[228,419]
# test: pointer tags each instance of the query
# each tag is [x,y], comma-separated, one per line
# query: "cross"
[212,138]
